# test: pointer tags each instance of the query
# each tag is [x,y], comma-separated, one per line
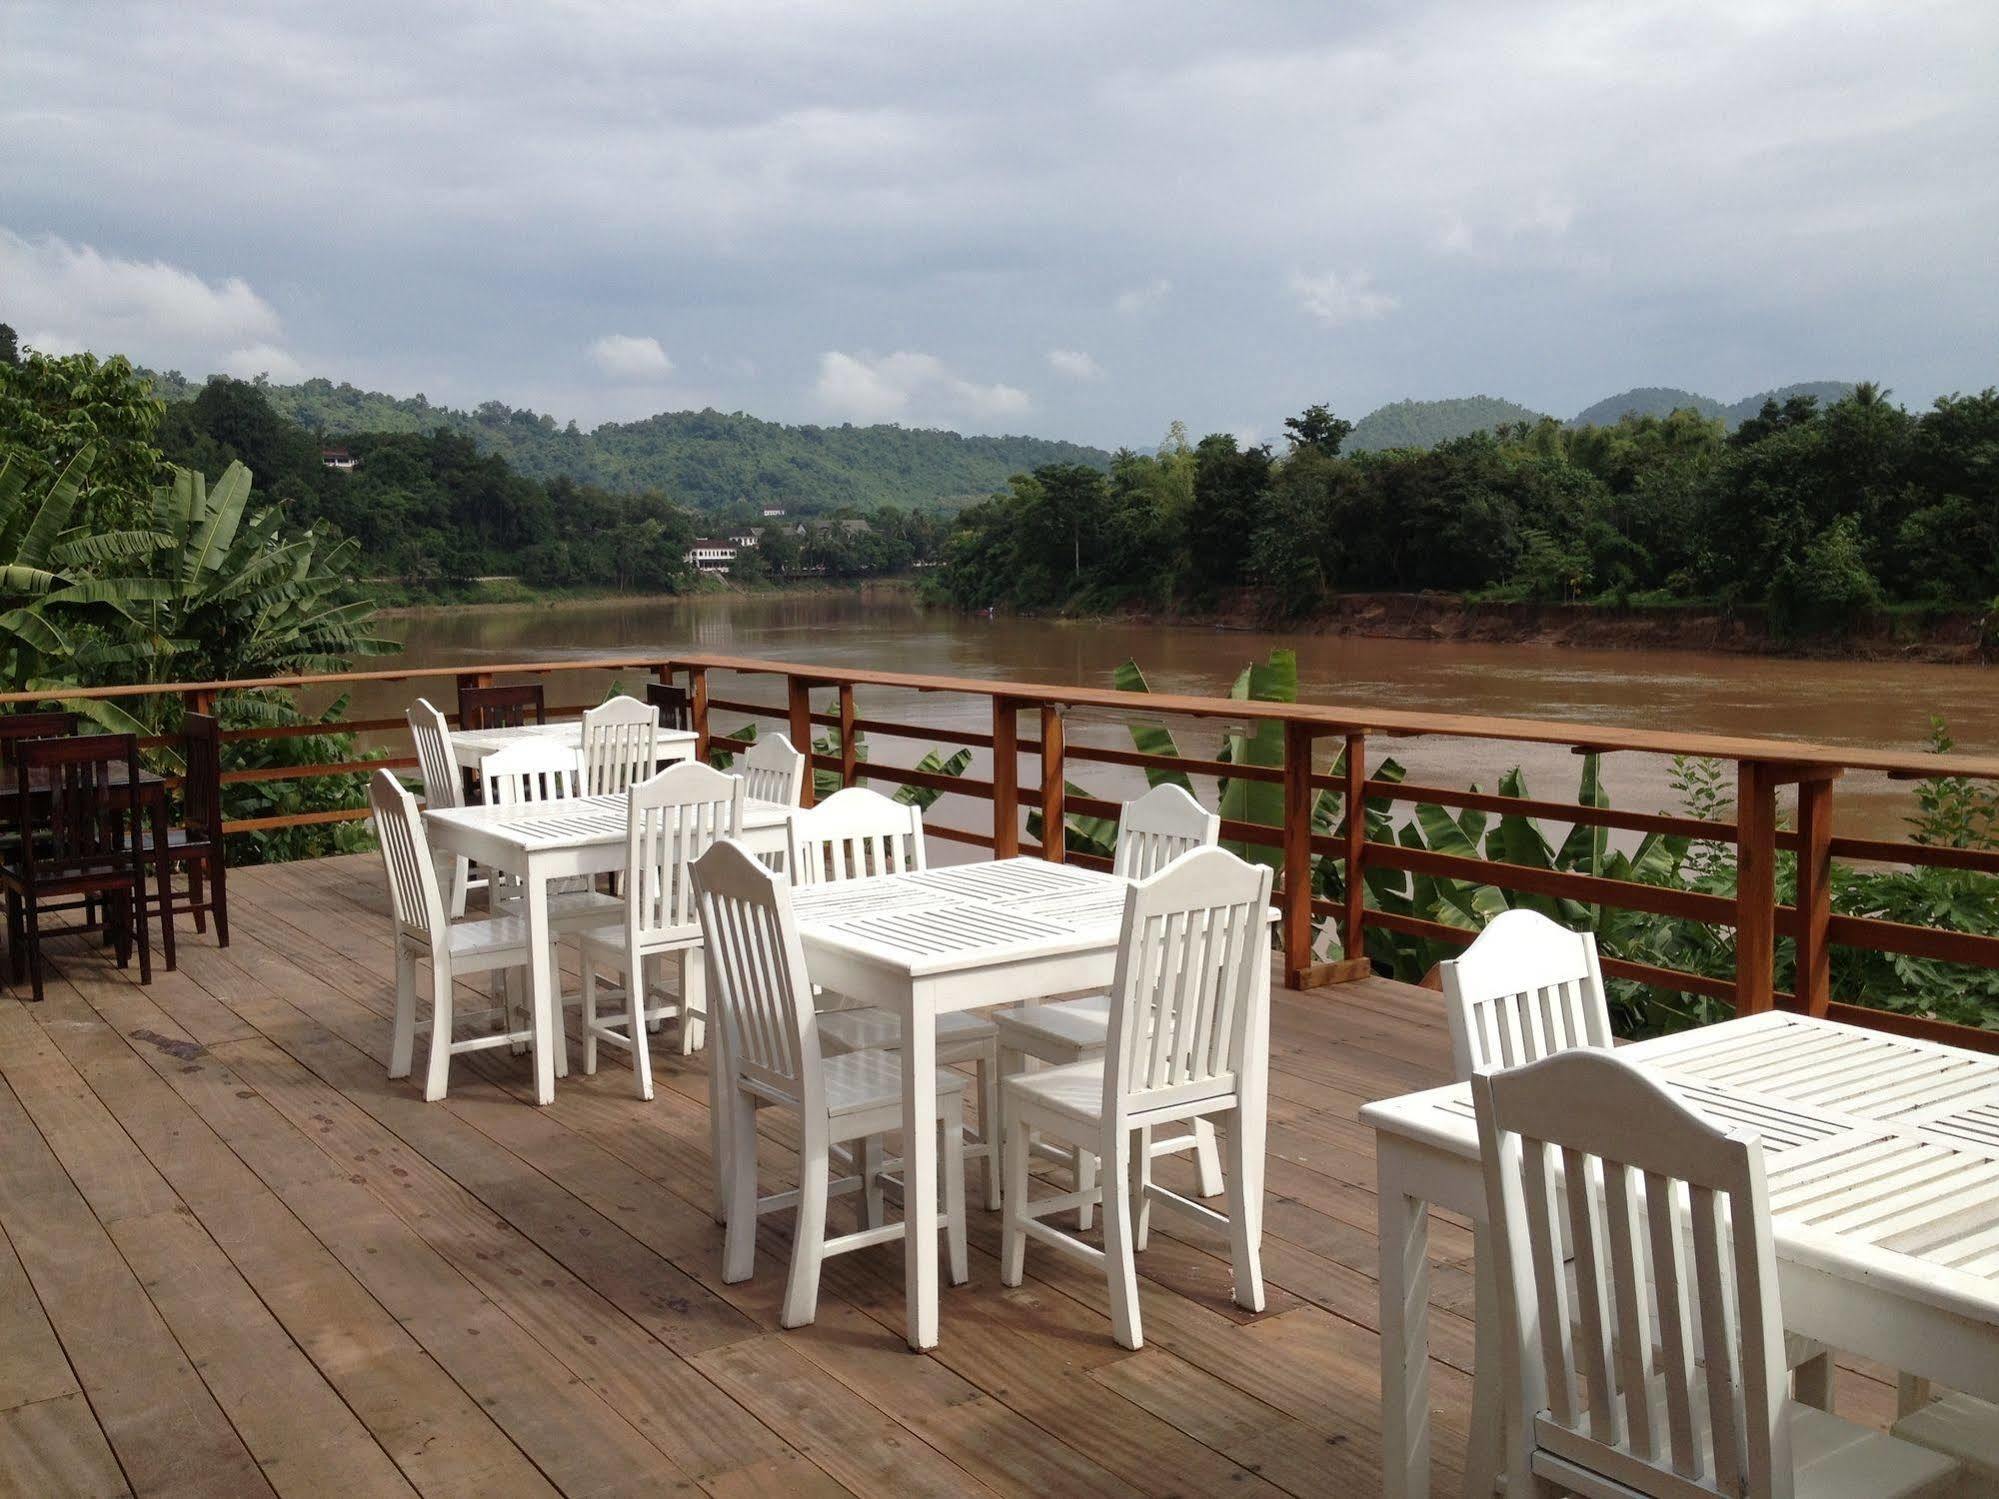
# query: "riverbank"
[499,596]
[1931,636]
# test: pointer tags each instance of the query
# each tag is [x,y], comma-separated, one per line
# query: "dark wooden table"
[152,795]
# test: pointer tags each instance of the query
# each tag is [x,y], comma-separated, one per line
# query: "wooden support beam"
[798,693]
[849,755]
[1814,902]
[1755,887]
[1054,790]
[1296,902]
[697,709]
[1006,778]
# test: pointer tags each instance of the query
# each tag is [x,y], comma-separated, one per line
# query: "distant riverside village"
[718,554]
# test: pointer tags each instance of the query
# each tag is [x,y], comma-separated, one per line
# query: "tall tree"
[10,346]
[1318,429]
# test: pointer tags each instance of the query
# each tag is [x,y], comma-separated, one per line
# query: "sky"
[1076,221]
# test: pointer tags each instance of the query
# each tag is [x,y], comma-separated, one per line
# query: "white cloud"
[908,387]
[81,298]
[1337,300]
[1136,299]
[262,359]
[631,359]
[1074,363]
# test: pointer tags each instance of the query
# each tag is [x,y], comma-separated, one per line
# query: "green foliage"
[1819,513]
[53,407]
[1424,424]
[708,460]
[243,800]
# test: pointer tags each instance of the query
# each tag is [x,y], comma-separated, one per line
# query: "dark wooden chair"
[500,707]
[675,704]
[15,727]
[197,843]
[80,819]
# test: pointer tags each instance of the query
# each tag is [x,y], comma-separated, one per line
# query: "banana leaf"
[1151,738]
[1259,801]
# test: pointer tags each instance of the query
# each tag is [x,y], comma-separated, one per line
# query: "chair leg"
[1013,1238]
[589,1017]
[17,953]
[440,1032]
[693,1000]
[403,1042]
[1084,1175]
[808,1245]
[1208,1156]
[141,912]
[635,1027]
[989,1125]
[951,1150]
[1141,1199]
[558,1020]
[218,877]
[1812,1382]
[1118,1266]
[872,1212]
[34,955]
[722,1137]
[198,905]
[1483,1458]
[739,1242]
[461,878]
[1245,1189]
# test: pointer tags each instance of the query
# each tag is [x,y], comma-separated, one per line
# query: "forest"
[706,460]
[1819,512]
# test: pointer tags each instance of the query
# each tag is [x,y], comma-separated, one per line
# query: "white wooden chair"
[774,771]
[1188,1008]
[620,746]
[1528,988]
[1153,831]
[1671,1231]
[416,910]
[855,834]
[443,786]
[770,1057]
[673,819]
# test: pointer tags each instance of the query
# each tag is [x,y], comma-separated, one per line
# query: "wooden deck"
[237,1259]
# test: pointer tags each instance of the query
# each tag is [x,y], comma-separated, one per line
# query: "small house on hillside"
[713,554]
[338,458]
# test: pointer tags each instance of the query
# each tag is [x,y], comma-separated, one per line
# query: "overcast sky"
[1079,221]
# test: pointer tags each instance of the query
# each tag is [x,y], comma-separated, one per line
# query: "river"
[1839,702]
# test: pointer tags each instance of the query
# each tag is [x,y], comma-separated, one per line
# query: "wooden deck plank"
[496,1298]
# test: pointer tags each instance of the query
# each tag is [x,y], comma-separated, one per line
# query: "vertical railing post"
[470,679]
[1296,902]
[198,700]
[798,692]
[1006,778]
[1054,789]
[1814,982]
[849,755]
[1755,886]
[697,710]
[1353,847]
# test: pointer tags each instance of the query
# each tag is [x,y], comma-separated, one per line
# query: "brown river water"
[1838,702]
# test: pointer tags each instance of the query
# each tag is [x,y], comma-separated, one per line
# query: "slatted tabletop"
[470,746]
[572,822]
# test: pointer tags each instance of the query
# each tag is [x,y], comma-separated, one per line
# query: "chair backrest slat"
[443,786]
[1158,827]
[774,771]
[852,835]
[201,784]
[508,707]
[1189,981]
[413,897]
[76,803]
[673,819]
[620,746]
[756,975]
[1641,1175]
[1526,988]
[530,770]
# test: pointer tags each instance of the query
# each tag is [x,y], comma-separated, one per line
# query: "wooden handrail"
[1764,765]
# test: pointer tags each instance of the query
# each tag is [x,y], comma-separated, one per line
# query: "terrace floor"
[236,1259]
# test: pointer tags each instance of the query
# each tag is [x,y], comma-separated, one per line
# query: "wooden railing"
[815,698]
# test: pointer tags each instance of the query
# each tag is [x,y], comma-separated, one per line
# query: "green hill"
[1646,400]
[704,459]
[1424,424]
[1827,392]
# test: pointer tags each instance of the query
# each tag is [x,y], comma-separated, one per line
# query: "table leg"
[1483,1457]
[163,872]
[919,1171]
[541,998]
[1405,1334]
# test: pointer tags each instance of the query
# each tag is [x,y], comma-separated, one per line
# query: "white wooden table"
[1883,1163]
[543,841]
[470,746]
[922,945]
